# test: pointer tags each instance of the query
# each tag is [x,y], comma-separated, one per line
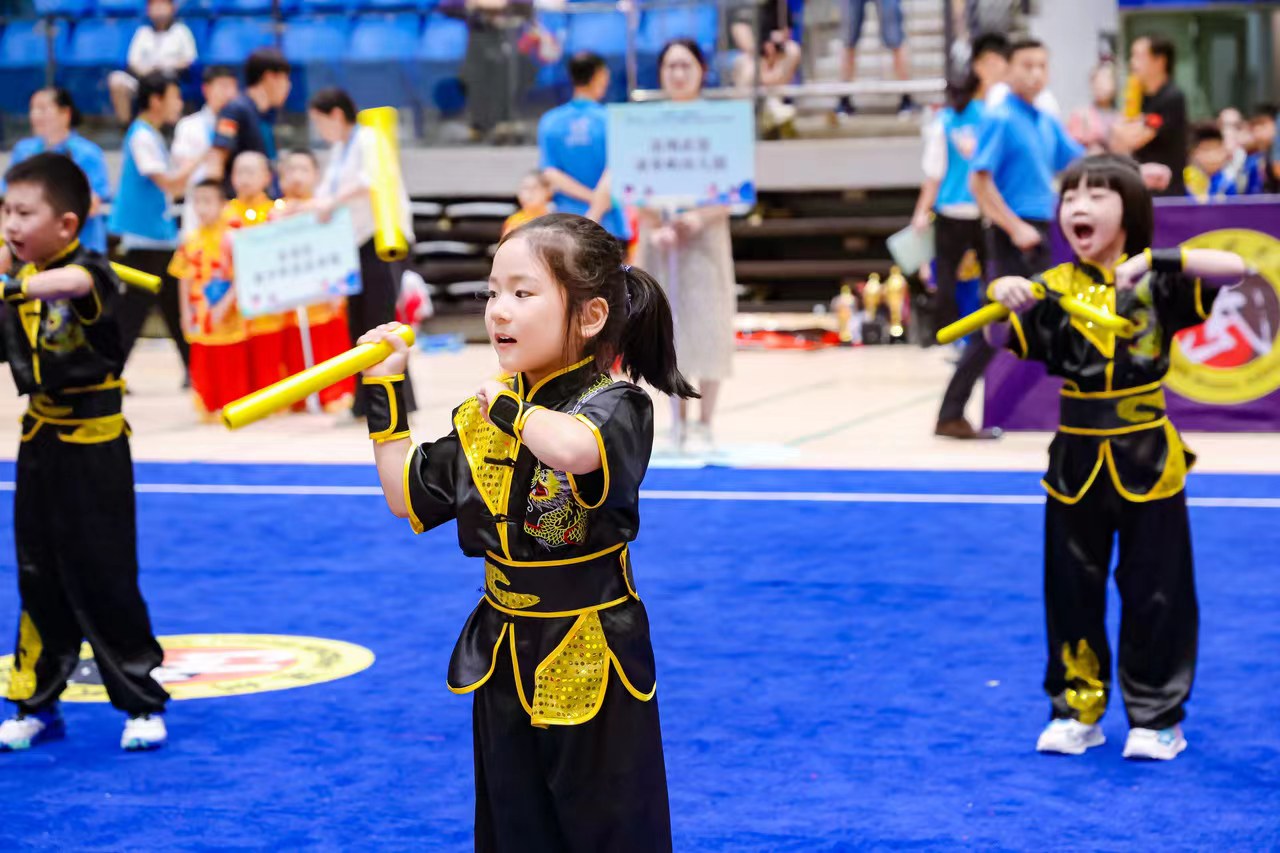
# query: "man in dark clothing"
[246,122]
[1159,134]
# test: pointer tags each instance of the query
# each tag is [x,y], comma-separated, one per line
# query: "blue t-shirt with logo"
[573,139]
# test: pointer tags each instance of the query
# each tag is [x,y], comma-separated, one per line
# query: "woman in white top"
[163,45]
[692,256]
[347,182]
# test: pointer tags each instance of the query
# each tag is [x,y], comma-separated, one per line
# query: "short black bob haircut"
[60,180]
[1121,175]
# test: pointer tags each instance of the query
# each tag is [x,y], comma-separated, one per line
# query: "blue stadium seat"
[244,7]
[389,5]
[324,6]
[23,54]
[604,33]
[69,8]
[379,62]
[440,55]
[444,39]
[233,39]
[659,26]
[123,8]
[381,37]
[98,46]
[315,47]
[25,44]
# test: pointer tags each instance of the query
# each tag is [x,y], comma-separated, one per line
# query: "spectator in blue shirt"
[1020,150]
[574,152]
[54,118]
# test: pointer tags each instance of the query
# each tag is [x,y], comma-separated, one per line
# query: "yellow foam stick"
[390,242]
[137,278]
[995,313]
[256,406]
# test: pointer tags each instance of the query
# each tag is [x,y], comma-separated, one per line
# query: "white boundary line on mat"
[682,495]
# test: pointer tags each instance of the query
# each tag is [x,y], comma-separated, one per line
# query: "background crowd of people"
[187,184]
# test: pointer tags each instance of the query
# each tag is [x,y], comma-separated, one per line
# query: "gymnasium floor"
[847,624]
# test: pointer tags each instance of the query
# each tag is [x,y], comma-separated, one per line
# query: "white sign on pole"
[294,262]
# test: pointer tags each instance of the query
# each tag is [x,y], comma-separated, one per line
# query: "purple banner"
[1226,373]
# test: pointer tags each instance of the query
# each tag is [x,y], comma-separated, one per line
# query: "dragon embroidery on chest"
[61,332]
[554,516]
[1146,344]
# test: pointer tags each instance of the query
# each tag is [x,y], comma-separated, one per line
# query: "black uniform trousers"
[1005,259]
[137,302]
[374,305]
[1159,622]
[598,787]
[75,526]
[952,239]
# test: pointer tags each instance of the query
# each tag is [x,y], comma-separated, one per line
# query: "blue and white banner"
[683,155]
[295,261]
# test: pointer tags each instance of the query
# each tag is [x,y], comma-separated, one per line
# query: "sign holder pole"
[308,355]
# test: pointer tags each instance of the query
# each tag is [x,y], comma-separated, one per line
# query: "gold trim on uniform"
[417,525]
[481,440]
[493,664]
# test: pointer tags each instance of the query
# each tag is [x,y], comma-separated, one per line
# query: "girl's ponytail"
[648,344]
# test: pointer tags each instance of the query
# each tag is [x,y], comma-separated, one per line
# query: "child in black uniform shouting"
[74,519]
[542,472]
[1117,466]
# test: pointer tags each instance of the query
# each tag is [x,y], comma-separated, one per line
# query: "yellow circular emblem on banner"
[205,666]
[1234,356]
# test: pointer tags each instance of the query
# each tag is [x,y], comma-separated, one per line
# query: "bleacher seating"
[394,52]
[232,39]
[379,67]
[315,46]
[98,46]
[440,54]
[24,53]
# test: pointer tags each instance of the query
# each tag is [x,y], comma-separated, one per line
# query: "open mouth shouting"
[1082,235]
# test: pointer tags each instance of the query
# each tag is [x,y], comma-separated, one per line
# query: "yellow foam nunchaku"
[129,275]
[390,242]
[137,278]
[300,386]
[996,313]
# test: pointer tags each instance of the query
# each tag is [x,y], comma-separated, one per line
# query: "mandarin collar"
[556,387]
[1100,275]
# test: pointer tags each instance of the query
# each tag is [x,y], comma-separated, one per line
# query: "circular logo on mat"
[1234,356]
[203,666]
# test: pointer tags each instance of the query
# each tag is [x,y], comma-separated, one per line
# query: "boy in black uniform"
[74,520]
[1117,465]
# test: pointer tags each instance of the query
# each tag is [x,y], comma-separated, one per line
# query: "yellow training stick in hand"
[298,387]
[995,313]
[137,278]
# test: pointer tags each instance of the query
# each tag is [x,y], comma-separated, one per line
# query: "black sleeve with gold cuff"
[15,289]
[508,413]
[385,409]
[1167,260]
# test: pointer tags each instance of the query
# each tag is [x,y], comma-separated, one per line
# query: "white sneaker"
[1069,737]
[698,441]
[23,732]
[1161,745]
[145,731]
